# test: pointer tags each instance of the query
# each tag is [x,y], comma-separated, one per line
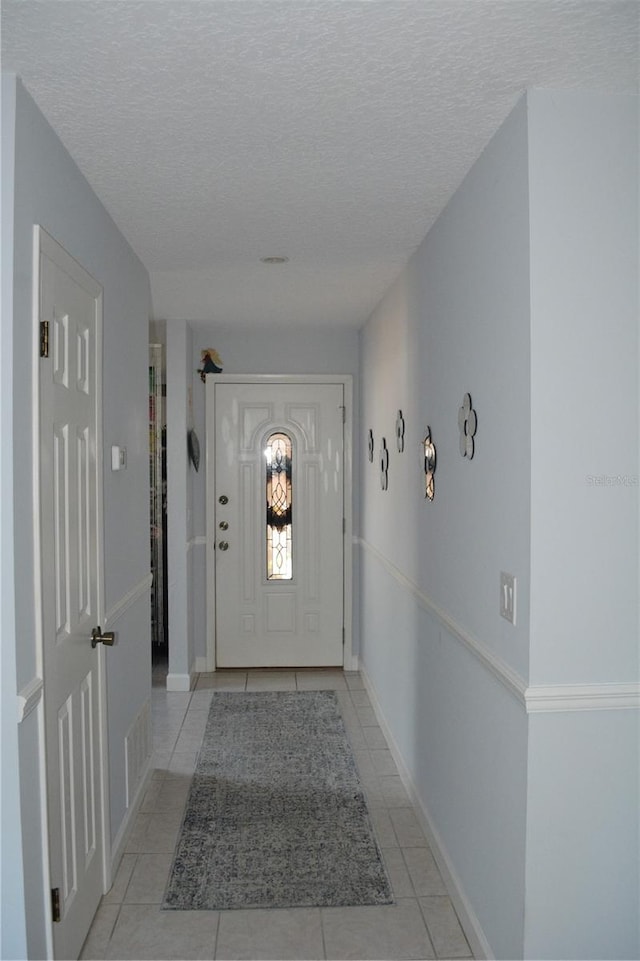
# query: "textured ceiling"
[331,131]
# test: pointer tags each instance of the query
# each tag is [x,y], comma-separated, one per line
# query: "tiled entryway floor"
[129,924]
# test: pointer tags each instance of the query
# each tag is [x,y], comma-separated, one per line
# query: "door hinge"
[44,338]
[344,525]
[55,904]
[343,636]
[344,414]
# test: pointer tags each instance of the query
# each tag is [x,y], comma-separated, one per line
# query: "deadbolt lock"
[223,499]
[224,525]
[223,545]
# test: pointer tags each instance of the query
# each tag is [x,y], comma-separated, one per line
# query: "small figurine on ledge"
[211,363]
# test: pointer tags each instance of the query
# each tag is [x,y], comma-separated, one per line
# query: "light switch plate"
[508,597]
[118,457]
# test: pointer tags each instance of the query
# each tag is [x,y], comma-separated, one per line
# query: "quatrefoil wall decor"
[429,465]
[468,425]
[384,465]
[400,431]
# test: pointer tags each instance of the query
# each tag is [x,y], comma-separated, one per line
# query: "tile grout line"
[113,927]
[215,940]
[124,893]
[324,943]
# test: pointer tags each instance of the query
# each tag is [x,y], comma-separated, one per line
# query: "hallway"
[129,923]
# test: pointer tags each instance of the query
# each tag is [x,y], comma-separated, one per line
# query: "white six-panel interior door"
[70,302]
[272,611]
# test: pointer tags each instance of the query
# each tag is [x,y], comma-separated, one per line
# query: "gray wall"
[50,190]
[456,321]
[13,936]
[180,508]
[524,294]
[582,818]
[583,172]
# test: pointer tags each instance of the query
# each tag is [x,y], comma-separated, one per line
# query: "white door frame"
[42,241]
[346,380]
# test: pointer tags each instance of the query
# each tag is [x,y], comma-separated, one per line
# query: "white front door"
[71,568]
[279,509]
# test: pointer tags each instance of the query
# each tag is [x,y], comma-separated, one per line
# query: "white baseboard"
[180,682]
[468,918]
[120,841]
[351,662]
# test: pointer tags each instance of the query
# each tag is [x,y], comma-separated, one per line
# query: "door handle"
[97,637]
[223,545]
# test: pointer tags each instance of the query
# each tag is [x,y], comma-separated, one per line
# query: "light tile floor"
[420,924]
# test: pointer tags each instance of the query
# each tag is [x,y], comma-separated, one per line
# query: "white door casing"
[71,568]
[262,622]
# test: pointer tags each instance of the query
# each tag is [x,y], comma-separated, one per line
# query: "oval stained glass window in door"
[278,456]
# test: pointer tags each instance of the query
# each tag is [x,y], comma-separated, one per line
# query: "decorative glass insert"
[278,455]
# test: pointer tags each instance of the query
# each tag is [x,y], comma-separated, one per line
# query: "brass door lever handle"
[97,637]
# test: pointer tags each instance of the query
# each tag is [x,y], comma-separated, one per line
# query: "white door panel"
[70,300]
[292,613]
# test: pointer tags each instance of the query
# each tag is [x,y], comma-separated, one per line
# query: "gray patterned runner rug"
[276,815]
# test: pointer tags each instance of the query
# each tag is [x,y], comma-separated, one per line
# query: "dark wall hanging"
[467,424]
[384,465]
[193,447]
[370,446]
[400,431]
